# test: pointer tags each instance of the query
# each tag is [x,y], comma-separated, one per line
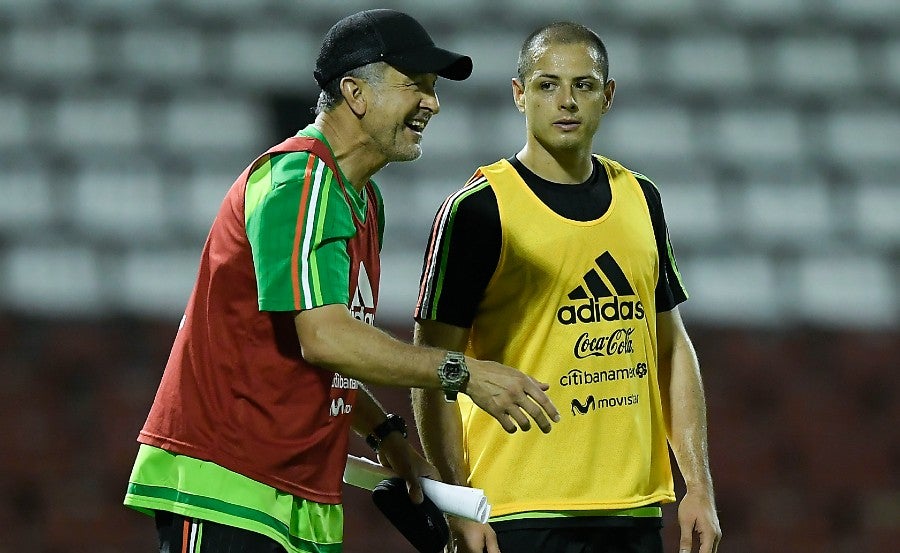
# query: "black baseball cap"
[385,35]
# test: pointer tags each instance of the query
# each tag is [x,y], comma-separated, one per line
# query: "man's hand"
[510,396]
[396,453]
[697,514]
[469,536]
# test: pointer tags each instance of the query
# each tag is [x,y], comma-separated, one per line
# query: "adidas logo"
[604,280]
[362,301]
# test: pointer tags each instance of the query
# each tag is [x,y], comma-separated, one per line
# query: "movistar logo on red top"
[589,303]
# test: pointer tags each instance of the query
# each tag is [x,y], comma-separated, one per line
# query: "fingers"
[537,405]
[544,405]
[511,397]
[416,495]
[517,416]
[687,537]
[709,539]
[521,419]
[490,541]
[472,537]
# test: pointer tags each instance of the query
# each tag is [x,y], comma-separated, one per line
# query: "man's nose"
[431,103]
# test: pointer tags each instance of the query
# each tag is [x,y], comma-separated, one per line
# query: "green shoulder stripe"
[669,251]
[447,232]
[644,177]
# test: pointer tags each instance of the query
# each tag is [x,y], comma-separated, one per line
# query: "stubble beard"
[396,151]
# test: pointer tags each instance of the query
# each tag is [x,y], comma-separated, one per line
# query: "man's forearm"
[440,432]
[688,433]
[437,420]
[367,413]
[331,339]
[684,403]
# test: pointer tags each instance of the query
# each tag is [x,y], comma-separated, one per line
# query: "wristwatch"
[454,374]
[393,423]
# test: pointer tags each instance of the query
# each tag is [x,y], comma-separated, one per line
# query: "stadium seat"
[124,205]
[694,212]
[17,124]
[843,288]
[758,136]
[133,10]
[200,197]
[163,56]
[733,290]
[826,67]
[863,135]
[650,132]
[51,53]
[667,12]
[266,58]
[870,13]
[206,121]
[768,13]
[157,281]
[28,202]
[708,62]
[778,211]
[55,279]
[494,59]
[875,216]
[892,66]
[114,122]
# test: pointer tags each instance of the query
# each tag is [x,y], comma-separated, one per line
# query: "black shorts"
[179,534]
[590,539]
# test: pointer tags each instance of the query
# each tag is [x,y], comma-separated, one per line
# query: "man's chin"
[564,146]
[410,154]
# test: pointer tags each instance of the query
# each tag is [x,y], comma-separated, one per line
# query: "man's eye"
[546,85]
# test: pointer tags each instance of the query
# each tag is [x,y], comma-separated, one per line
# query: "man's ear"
[518,91]
[609,91]
[352,91]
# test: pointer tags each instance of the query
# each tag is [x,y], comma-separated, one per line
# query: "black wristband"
[393,423]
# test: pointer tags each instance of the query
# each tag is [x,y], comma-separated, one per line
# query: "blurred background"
[772,128]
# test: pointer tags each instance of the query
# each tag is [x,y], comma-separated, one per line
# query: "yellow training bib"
[573,304]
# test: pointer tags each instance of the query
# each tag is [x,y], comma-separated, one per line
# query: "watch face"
[452,372]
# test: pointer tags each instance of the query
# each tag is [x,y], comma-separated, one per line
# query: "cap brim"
[432,59]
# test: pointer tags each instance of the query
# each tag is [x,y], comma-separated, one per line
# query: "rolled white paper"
[461,501]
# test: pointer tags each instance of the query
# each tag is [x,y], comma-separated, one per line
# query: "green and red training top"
[291,234]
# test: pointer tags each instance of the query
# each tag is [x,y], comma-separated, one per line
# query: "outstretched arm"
[684,406]
[440,429]
[331,338]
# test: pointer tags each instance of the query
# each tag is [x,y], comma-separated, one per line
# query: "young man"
[557,261]
[246,442]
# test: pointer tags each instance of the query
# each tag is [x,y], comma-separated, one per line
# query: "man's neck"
[352,151]
[564,167]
